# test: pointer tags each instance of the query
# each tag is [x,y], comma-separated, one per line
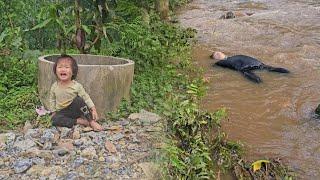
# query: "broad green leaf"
[72,28]
[3,35]
[61,24]
[86,29]
[104,29]
[41,25]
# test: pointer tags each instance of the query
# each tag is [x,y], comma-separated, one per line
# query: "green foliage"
[23,15]
[188,165]
[18,95]
[129,11]
[11,41]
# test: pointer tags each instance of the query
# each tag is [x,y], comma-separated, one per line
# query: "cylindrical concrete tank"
[106,79]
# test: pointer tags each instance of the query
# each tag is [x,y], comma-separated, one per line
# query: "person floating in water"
[245,65]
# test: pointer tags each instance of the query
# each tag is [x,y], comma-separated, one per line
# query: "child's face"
[64,70]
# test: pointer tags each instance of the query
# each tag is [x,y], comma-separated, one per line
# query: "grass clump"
[18,91]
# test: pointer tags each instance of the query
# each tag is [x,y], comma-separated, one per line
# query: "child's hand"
[94,113]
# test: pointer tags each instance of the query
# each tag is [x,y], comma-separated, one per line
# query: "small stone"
[135,140]
[133,129]
[36,170]
[106,171]
[101,159]
[27,126]
[48,136]
[89,152]
[110,147]
[61,152]
[47,145]
[66,143]
[8,138]
[122,142]
[3,138]
[146,118]
[2,146]
[117,137]
[78,162]
[115,129]
[52,176]
[53,171]
[65,132]
[159,145]
[76,134]
[45,154]
[112,159]
[124,123]
[115,166]
[1,163]
[72,175]
[134,116]
[132,147]
[154,129]
[87,129]
[24,144]
[38,161]
[21,166]
[32,133]
[78,142]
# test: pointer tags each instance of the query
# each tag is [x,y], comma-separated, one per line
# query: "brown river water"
[274,118]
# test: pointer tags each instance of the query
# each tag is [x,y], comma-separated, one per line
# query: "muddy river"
[274,118]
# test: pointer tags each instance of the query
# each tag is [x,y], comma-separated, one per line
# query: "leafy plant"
[18,94]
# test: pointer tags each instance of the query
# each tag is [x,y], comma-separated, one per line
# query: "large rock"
[106,79]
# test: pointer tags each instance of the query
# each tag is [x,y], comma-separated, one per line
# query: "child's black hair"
[74,65]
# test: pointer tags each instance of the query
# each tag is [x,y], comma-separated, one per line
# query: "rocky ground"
[126,149]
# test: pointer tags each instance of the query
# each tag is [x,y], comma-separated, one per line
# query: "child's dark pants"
[68,116]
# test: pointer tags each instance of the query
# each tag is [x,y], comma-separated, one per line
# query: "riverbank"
[274,118]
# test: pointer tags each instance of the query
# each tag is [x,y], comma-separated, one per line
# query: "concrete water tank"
[106,79]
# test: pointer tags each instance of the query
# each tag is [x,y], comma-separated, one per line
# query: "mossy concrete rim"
[129,62]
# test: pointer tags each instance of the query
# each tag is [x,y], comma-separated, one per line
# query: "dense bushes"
[18,94]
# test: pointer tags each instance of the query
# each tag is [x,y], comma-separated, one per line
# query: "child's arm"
[94,113]
[85,96]
[52,100]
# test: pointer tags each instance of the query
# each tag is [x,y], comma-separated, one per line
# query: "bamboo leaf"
[41,25]
[72,28]
[61,24]
[86,29]
[3,35]
[104,29]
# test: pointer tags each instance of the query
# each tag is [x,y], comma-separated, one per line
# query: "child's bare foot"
[95,126]
[83,122]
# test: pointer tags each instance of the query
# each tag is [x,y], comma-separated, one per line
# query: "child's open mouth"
[63,74]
